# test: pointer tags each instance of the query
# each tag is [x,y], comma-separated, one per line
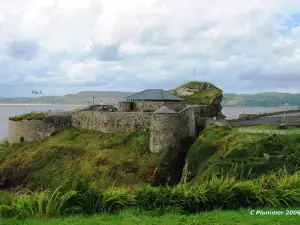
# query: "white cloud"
[110,43]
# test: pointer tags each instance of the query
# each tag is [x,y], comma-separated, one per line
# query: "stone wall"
[140,106]
[100,108]
[124,106]
[190,120]
[33,130]
[166,129]
[109,122]
[165,132]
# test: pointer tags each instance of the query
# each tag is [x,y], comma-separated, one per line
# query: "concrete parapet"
[33,130]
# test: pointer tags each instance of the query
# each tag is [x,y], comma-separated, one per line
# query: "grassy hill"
[85,97]
[107,173]
[196,92]
[223,151]
[202,93]
[261,99]
[75,155]
[125,160]
[193,92]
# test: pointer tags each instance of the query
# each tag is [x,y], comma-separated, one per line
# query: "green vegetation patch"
[200,96]
[72,156]
[277,190]
[29,116]
[130,217]
[266,127]
[222,150]
[261,99]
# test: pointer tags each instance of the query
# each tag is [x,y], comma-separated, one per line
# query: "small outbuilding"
[150,100]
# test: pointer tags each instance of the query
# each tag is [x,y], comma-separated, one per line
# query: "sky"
[68,46]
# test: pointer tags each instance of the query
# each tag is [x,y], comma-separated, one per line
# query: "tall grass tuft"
[219,192]
[114,200]
[43,204]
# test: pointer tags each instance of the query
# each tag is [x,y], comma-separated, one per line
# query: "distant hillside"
[85,97]
[246,100]
[261,99]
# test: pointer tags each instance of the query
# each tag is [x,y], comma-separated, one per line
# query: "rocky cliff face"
[202,93]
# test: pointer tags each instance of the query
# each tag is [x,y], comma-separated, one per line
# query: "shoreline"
[37,104]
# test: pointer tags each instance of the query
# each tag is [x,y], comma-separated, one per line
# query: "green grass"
[276,190]
[104,159]
[203,97]
[266,127]
[29,116]
[223,150]
[242,217]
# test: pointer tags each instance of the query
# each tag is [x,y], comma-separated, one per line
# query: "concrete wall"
[166,129]
[109,122]
[176,106]
[100,108]
[32,130]
[190,120]
[124,106]
[140,106]
[165,132]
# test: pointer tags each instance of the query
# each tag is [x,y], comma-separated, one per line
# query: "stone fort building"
[167,117]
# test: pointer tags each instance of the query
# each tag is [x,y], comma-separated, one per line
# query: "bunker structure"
[167,117]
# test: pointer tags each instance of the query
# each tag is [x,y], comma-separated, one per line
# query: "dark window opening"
[22,139]
[131,106]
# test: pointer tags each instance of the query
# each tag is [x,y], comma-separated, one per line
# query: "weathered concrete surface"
[177,106]
[165,133]
[109,122]
[33,130]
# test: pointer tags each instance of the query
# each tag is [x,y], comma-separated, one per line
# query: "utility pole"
[93,100]
[286,108]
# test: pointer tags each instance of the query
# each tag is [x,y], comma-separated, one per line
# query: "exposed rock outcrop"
[202,93]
